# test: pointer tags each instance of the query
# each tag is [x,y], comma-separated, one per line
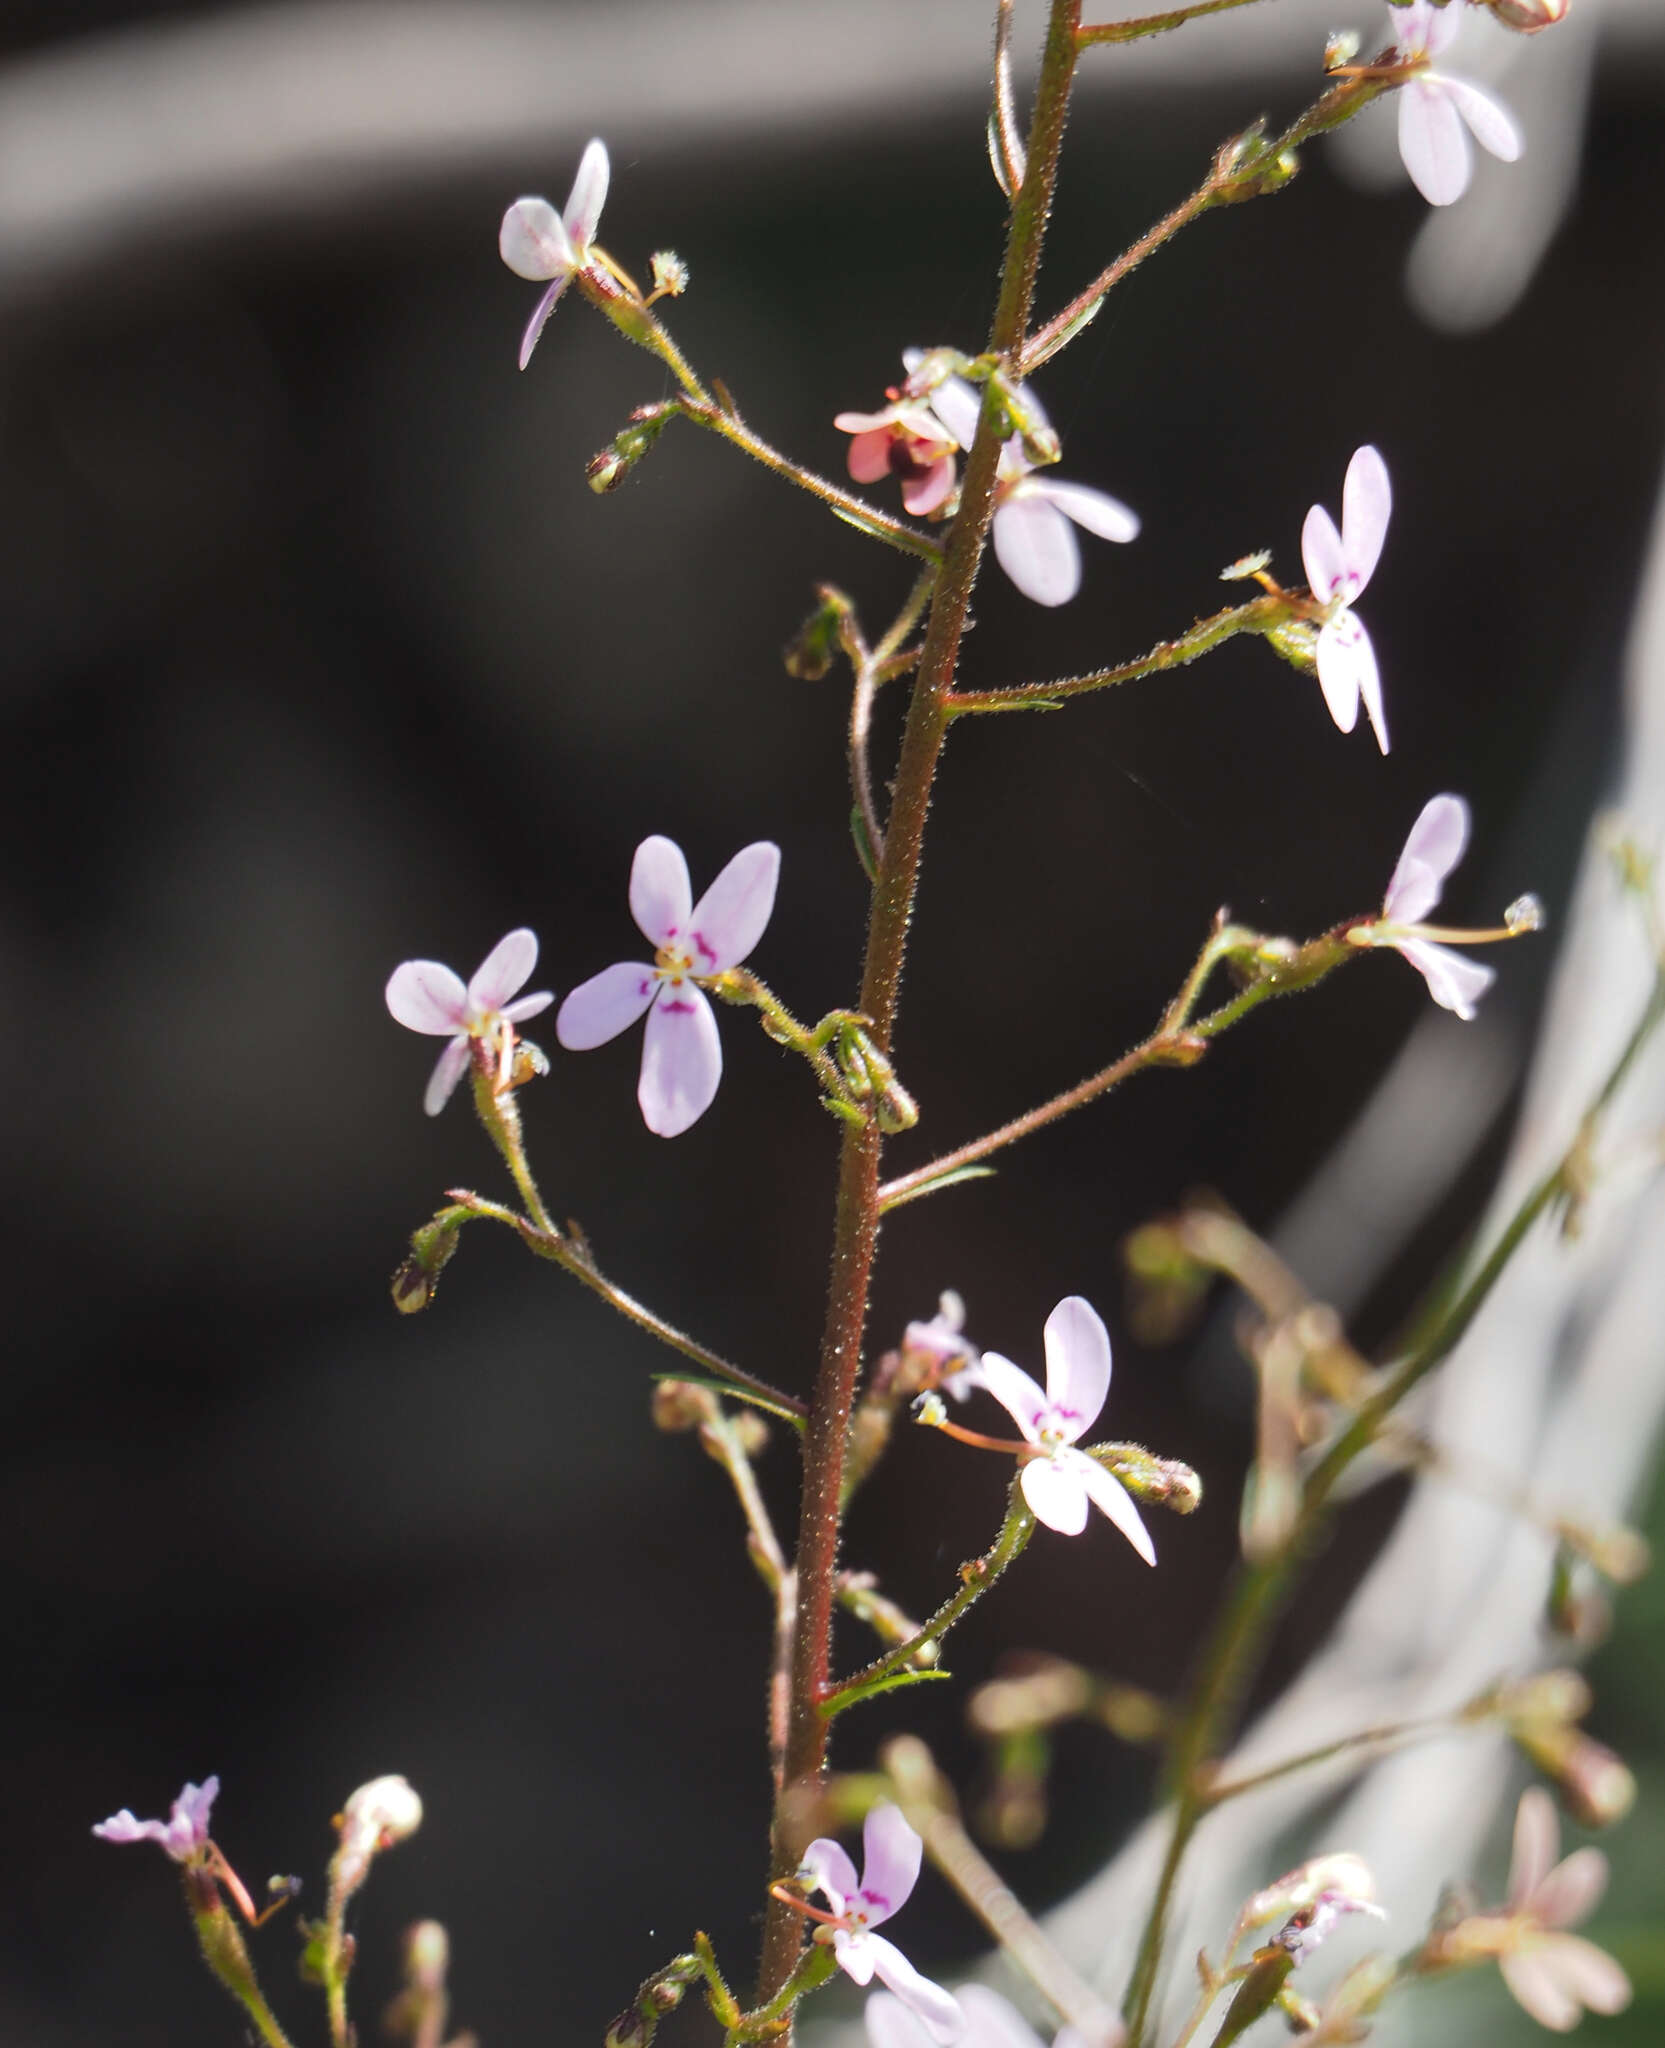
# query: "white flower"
[1059,1482]
[536,242]
[425,996]
[1338,567]
[941,1341]
[1552,1974]
[1437,113]
[1435,846]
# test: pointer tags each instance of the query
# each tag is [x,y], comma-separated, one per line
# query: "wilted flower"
[682,1056]
[425,996]
[1338,567]
[536,242]
[1033,539]
[183,1835]
[906,441]
[891,1854]
[1436,110]
[1058,1481]
[955,1360]
[378,1815]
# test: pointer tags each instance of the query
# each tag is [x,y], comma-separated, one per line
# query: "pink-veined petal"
[505,969]
[534,243]
[1322,555]
[426,997]
[1489,121]
[1588,1973]
[605,1005]
[1106,1492]
[1016,1392]
[1571,1891]
[936,2007]
[1344,654]
[826,1865]
[1056,1494]
[890,1857]
[1366,507]
[993,2021]
[1454,981]
[1435,845]
[1536,1845]
[869,457]
[1433,142]
[448,1071]
[1531,1976]
[588,195]
[1035,544]
[958,405]
[857,1954]
[682,1061]
[1077,1363]
[1108,517]
[661,894]
[730,917]
[540,314]
[923,494]
[528,1006]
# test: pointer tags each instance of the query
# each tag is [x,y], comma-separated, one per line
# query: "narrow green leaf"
[891,1682]
[735,1393]
[943,1180]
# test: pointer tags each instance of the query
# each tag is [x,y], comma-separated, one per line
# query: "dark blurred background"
[319,653]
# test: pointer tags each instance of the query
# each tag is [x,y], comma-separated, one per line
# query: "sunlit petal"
[661,894]
[1433,142]
[729,919]
[605,1005]
[1056,1495]
[1077,1363]
[1035,544]
[1436,844]
[682,1062]
[506,969]
[1107,1492]
[587,197]
[1016,1392]
[425,996]
[448,1071]
[891,1855]
[533,241]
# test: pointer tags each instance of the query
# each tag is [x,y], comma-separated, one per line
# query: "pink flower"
[1434,109]
[1555,1975]
[940,1340]
[536,242]
[184,1834]
[891,1853]
[1338,566]
[682,1056]
[908,441]
[1059,1481]
[1033,539]
[426,997]
[1433,849]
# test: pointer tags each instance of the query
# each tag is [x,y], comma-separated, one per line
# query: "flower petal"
[1035,544]
[1366,507]
[505,969]
[1433,142]
[958,405]
[1588,1973]
[730,917]
[1322,555]
[682,1061]
[1454,981]
[994,2021]
[1107,1493]
[426,997]
[523,1007]
[533,241]
[1016,1392]
[869,457]
[194,1804]
[891,2024]
[1056,1495]
[1571,1890]
[1436,843]
[826,1865]
[660,891]
[605,1005]
[127,1827]
[448,1071]
[891,1852]
[1370,687]
[923,494]
[540,313]
[1077,1363]
[936,2007]
[856,1953]
[1537,1842]
[1489,121]
[1342,667]
[1108,517]
[587,197]
[1531,1976]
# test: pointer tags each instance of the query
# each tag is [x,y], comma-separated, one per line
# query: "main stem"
[856,1225]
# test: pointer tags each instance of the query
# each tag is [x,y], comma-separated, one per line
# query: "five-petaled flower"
[184,1834]
[1438,113]
[537,243]
[1033,539]
[427,997]
[891,1854]
[906,441]
[1058,1480]
[1338,566]
[682,1056]
[1435,846]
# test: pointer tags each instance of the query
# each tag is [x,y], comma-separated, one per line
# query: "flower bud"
[1596,1786]
[1341,1876]
[1527,17]
[811,651]
[430,1251]
[678,1405]
[1166,1482]
[376,1816]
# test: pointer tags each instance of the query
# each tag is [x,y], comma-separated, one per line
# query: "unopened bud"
[1554,1698]
[669,272]
[431,1248]
[1527,17]
[1294,641]
[1597,1787]
[1165,1482]
[609,469]
[810,653]
[378,1815]
[751,1430]
[932,369]
[427,1954]
[678,1405]
[1619,1554]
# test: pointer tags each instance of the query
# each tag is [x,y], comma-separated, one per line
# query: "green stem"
[1391,1735]
[1095,33]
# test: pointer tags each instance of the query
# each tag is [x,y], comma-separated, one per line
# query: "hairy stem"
[1099,32]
